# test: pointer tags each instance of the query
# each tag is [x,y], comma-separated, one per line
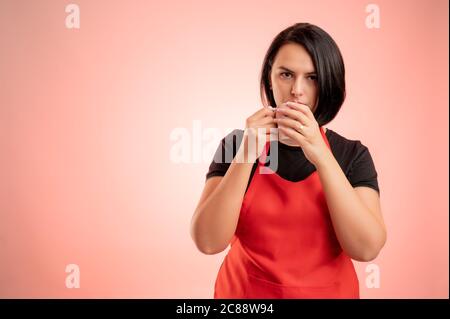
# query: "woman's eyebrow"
[286,69]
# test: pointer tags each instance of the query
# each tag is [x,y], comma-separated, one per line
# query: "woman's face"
[293,76]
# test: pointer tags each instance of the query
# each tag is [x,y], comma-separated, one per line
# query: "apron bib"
[285,245]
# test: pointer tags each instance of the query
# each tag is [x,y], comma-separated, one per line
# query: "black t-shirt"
[353,157]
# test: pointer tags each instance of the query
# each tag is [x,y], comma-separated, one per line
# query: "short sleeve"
[225,153]
[362,171]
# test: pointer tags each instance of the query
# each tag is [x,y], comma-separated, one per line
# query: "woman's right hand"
[257,132]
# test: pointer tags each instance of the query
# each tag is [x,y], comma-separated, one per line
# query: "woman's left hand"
[301,126]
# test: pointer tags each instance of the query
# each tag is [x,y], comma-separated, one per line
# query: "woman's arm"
[355,212]
[215,219]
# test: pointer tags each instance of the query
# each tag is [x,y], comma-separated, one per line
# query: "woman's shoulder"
[339,141]
[347,151]
[355,159]
[233,138]
[236,132]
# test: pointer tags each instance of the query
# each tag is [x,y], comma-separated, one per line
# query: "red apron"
[285,245]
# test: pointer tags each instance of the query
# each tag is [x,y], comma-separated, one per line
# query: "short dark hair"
[328,63]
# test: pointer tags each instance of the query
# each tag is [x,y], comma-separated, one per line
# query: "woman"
[294,229]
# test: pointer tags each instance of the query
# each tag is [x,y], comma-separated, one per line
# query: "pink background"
[86,116]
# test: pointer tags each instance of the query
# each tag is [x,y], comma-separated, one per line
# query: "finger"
[257,114]
[262,129]
[287,122]
[263,112]
[296,136]
[303,119]
[294,114]
[262,122]
[267,120]
[269,111]
[301,108]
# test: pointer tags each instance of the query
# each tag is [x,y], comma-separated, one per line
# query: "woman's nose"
[298,88]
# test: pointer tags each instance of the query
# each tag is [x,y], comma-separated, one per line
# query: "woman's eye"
[289,76]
